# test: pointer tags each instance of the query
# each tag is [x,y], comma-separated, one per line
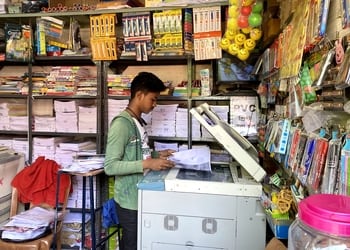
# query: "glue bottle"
[344,185]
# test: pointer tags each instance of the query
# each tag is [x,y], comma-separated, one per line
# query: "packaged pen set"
[319,161]
[137,35]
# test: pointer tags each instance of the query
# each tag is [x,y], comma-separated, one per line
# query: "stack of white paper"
[77,145]
[86,163]
[87,119]
[6,141]
[76,197]
[64,157]
[13,115]
[72,226]
[3,6]
[163,120]
[115,107]
[4,117]
[67,122]
[45,123]
[19,123]
[181,126]
[8,113]
[159,146]
[46,146]
[195,158]
[4,122]
[222,111]
[66,151]
[21,145]
[66,116]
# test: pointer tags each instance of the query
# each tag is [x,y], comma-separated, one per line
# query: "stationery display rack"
[102,68]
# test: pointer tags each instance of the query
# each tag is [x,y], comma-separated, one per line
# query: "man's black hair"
[146,82]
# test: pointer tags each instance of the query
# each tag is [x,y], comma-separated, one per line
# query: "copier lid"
[238,146]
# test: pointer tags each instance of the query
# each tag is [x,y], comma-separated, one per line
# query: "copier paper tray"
[238,146]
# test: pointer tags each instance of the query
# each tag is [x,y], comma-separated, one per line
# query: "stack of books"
[49,29]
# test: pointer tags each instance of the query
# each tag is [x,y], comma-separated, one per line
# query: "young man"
[128,155]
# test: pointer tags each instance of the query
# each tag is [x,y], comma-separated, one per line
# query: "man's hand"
[157,164]
[164,154]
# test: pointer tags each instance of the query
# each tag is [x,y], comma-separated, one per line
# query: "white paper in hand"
[195,159]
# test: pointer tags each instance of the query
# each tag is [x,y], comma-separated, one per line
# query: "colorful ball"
[258,7]
[243,22]
[246,10]
[254,20]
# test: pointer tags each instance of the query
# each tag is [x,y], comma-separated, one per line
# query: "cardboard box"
[10,164]
[275,244]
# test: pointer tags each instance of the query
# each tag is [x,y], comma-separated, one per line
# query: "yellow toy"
[246,30]
[225,43]
[247,2]
[233,49]
[255,34]
[233,11]
[232,24]
[249,44]
[243,54]
[242,28]
[230,34]
[240,38]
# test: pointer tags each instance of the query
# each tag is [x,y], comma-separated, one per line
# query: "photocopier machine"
[183,209]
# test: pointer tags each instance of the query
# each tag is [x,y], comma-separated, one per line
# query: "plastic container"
[102,25]
[323,223]
[104,48]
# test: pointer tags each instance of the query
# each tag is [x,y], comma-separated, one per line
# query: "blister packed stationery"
[293,151]
[306,161]
[329,178]
[344,171]
[18,42]
[317,166]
